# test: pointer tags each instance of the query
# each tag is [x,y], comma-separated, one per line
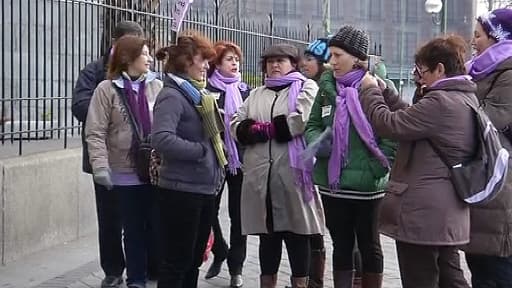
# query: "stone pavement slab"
[87,274]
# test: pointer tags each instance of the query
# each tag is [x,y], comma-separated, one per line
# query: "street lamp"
[434,7]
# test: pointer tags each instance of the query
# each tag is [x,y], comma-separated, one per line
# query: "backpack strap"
[439,153]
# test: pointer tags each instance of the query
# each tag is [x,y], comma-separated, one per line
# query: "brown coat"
[421,206]
[491,223]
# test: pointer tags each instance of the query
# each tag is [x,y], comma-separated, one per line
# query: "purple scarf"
[349,108]
[138,105]
[458,77]
[484,64]
[232,101]
[302,171]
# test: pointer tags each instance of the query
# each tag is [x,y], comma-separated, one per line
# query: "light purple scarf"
[349,108]
[232,101]
[484,64]
[302,171]
[458,77]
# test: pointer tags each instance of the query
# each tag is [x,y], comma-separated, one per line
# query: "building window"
[397,11]
[412,11]
[375,9]
[411,45]
[279,7]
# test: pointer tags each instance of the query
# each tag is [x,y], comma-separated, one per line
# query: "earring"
[356,64]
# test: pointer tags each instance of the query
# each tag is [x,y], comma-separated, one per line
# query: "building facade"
[396,27]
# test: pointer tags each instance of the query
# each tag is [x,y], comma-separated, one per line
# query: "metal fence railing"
[45,43]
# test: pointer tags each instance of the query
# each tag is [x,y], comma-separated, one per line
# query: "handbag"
[147,161]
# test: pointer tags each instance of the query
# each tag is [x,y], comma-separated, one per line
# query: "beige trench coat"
[267,169]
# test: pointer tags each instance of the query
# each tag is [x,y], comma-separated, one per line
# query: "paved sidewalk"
[77,267]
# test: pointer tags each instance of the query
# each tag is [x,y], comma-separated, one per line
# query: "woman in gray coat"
[489,253]
[279,201]
[421,210]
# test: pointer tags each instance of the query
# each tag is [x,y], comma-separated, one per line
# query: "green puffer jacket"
[363,177]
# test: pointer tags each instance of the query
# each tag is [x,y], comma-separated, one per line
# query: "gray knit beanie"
[352,40]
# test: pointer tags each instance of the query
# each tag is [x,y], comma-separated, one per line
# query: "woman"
[279,202]
[225,84]
[313,65]
[129,93]
[352,165]
[489,253]
[421,210]
[187,137]
[315,57]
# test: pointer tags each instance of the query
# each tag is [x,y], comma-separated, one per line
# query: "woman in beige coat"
[489,253]
[128,94]
[279,201]
[421,210]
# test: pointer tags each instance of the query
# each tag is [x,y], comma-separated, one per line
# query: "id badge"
[326,111]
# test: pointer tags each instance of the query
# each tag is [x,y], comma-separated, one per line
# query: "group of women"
[323,147]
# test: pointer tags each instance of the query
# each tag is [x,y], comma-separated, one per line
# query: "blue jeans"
[490,271]
[137,213]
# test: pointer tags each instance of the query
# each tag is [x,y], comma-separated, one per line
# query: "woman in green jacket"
[352,165]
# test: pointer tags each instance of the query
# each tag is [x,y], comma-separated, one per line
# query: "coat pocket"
[396,188]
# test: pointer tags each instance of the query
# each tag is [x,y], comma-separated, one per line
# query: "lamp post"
[434,7]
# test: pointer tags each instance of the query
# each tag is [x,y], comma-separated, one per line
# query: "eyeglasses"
[418,72]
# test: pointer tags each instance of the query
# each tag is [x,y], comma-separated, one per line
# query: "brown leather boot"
[372,280]
[317,269]
[300,282]
[268,281]
[343,279]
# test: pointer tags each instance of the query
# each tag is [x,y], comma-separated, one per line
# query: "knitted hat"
[497,24]
[319,49]
[352,40]
[279,50]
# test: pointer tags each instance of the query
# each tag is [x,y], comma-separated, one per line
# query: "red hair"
[221,48]
[178,57]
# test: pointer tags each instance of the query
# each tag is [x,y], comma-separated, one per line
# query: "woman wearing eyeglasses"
[421,210]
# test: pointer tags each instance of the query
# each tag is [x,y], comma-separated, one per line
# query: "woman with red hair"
[226,85]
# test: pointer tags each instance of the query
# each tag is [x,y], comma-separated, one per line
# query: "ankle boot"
[343,279]
[317,269]
[299,282]
[372,280]
[268,281]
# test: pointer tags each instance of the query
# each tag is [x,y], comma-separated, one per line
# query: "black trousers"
[237,251]
[108,210]
[430,266]
[490,271]
[186,221]
[348,220]
[298,247]
[137,213]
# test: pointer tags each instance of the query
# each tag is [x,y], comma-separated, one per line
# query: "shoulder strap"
[439,153]
[133,123]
